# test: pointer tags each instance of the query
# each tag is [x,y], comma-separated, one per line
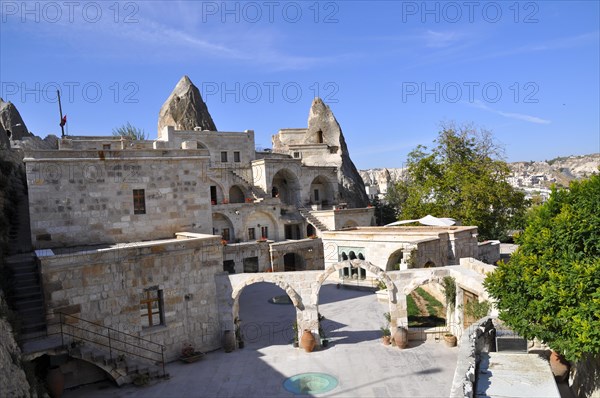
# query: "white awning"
[427,220]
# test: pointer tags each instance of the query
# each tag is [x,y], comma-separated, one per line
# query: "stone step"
[29,304]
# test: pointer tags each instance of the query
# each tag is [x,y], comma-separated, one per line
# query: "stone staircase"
[26,296]
[312,219]
[258,193]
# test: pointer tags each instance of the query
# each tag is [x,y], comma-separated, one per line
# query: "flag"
[63,121]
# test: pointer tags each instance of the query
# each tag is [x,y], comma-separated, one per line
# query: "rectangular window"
[139,201]
[264,232]
[151,307]
[236,157]
[251,234]
[316,192]
[297,155]
[106,147]
[224,157]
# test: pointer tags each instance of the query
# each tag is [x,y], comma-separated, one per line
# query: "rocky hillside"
[540,174]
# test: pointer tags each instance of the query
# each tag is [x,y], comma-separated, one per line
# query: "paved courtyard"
[362,365]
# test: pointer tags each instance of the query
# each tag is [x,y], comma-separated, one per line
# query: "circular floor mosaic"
[310,383]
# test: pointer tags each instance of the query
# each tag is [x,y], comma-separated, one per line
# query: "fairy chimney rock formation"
[11,121]
[323,144]
[185,109]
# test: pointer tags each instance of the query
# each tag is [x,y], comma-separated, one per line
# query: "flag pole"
[62,126]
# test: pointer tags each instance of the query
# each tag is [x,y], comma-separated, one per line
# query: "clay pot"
[55,381]
[387,340]
[401,337]
[559,366]
[308,341]
[228,341]
[450,340]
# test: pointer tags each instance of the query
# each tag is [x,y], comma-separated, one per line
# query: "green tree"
[129,131]
[384,212]
[463,177]
[550,288]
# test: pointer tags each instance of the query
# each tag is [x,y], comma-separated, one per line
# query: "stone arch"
[368,266]
[321,191]
[419,280]
[429,264]
[395,258]
[286,187]
[220,223]
[258,219]
[287,288]
[236,194]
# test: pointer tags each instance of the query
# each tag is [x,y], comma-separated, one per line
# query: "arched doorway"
[340,325]
[286,187]
[259,224]
[310,230]
[236,195]
[321,192]
[266,312]
[293,262]
[223,226]
[396,261]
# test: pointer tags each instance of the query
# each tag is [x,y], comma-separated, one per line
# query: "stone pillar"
[309,319]
[457,325]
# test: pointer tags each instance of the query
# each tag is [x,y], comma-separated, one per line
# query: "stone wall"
[310,252]
[106,286]
[216,142]
[477,340]
[244,253]
[84,197]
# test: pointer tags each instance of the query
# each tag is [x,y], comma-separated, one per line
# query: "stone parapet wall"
[90,201]
[105,287]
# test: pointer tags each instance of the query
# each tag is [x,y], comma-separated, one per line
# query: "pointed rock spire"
[324,128]
[11,120]
[185,109]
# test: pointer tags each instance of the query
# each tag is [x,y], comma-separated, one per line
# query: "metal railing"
[118,343]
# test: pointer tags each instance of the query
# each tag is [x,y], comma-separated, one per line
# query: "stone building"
[141,238]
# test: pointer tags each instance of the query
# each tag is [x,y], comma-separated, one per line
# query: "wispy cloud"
[511,115]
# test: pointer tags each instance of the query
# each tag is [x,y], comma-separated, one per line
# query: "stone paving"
[363,366]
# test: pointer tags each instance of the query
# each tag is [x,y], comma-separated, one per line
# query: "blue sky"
[390,71]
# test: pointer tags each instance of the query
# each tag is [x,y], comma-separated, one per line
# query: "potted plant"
[223,242]
[322,336]
[189,355]
[450,340]
[386,337]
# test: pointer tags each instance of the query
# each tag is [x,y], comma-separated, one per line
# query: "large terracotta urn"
[55,381]
[560,367]
[228,341]
[308,341]
[401,337]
